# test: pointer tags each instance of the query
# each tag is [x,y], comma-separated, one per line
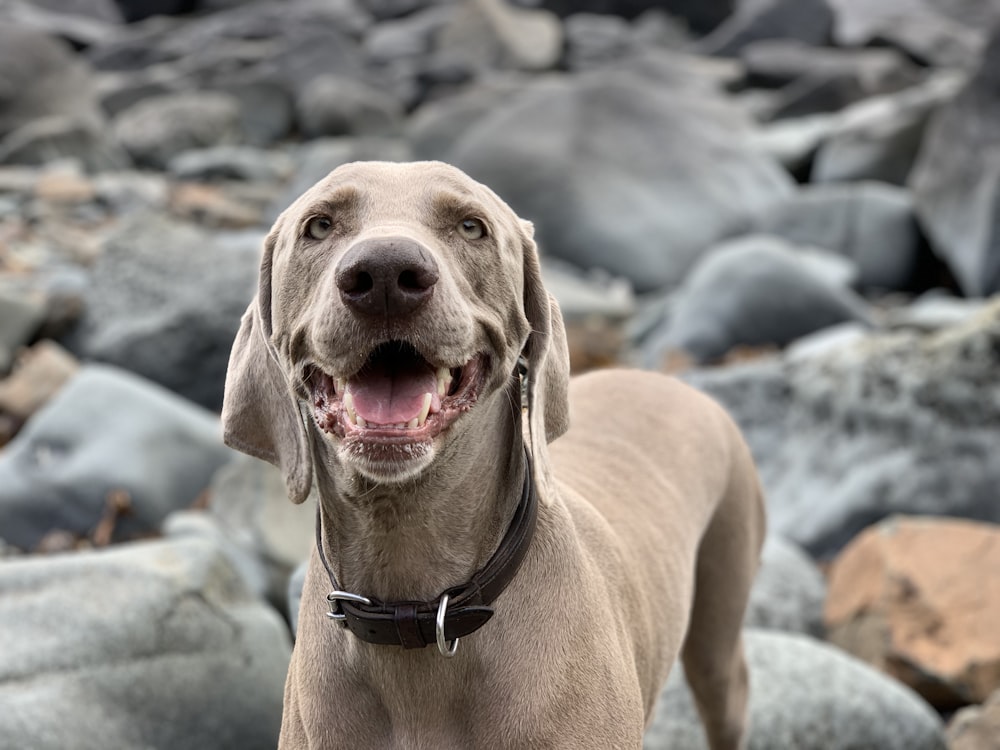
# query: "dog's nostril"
[408,280]
[360,282]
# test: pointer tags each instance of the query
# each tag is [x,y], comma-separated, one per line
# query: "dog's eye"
[319,228]
[472,229]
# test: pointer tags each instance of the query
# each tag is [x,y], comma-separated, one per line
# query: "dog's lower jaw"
[382,464]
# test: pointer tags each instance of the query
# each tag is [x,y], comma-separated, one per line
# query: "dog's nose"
[386,276]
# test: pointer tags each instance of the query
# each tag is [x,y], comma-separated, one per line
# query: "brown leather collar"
[414,624]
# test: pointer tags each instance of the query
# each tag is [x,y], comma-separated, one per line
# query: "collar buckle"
[336,613]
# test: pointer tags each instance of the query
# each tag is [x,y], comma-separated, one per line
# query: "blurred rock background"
[793,204]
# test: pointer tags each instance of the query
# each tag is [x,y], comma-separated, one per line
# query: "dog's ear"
[548,363]
[260,413]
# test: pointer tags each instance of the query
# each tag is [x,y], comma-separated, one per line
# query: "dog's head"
[394,300]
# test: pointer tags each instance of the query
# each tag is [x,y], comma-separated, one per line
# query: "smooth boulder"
[107,436]
[151,645]
[636,171]
[956,189]
[756,291]
[806,695]
[165,301]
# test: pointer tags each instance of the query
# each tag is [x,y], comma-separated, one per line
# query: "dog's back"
[653,457]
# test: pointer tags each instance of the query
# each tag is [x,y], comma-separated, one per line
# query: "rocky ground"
[791,203]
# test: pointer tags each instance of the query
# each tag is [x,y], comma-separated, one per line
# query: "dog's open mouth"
[398,396]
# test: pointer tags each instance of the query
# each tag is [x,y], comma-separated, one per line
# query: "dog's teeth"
[444,380]
[422,417]
[412,424]
[361,422]
[349,407]
[340,385]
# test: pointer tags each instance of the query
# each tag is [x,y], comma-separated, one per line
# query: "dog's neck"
[413,540]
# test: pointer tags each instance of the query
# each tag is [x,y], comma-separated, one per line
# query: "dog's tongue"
[391,393]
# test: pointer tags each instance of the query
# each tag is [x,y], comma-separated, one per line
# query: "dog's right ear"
[547,365]
[260,413]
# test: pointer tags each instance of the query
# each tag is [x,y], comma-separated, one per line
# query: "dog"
[505,557]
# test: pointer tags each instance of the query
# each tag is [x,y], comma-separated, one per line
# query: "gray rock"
[756,291]
[788,592]
[333,106]
[940,32]
[776,62]
[814,94]
[106,432]
[284,44]
[586,295]
[197,524]
[136,47]
[61,137]
[82,24]
[265,106]
[405,39]
[484,35]
[157,128]
[436,126]
[879,138]
[900,422]
[267,110]
[655,168]
[806,695]
[250,502]
[955,188]
[120,89]
[21,315]
[933,40]
[234,33]
[809,21]
[933,311]
[827,340]
[870,223]
[98,10]
[594,40]
[231,163]
[132,192]
[41,77]
[793,142]
[163,647]
[165,301]
[656,27]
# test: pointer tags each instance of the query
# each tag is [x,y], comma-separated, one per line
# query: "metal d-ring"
[445,649]
[335,612]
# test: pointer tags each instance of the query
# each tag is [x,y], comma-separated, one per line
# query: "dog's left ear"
[548,363]
[260,415]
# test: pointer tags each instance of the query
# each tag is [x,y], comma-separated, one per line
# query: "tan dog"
[380,359]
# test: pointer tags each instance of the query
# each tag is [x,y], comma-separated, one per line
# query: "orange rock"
[212,206]
[920,599]
[40,372]
[65,187]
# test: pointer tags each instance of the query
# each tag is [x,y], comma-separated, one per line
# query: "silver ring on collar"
[445,648]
